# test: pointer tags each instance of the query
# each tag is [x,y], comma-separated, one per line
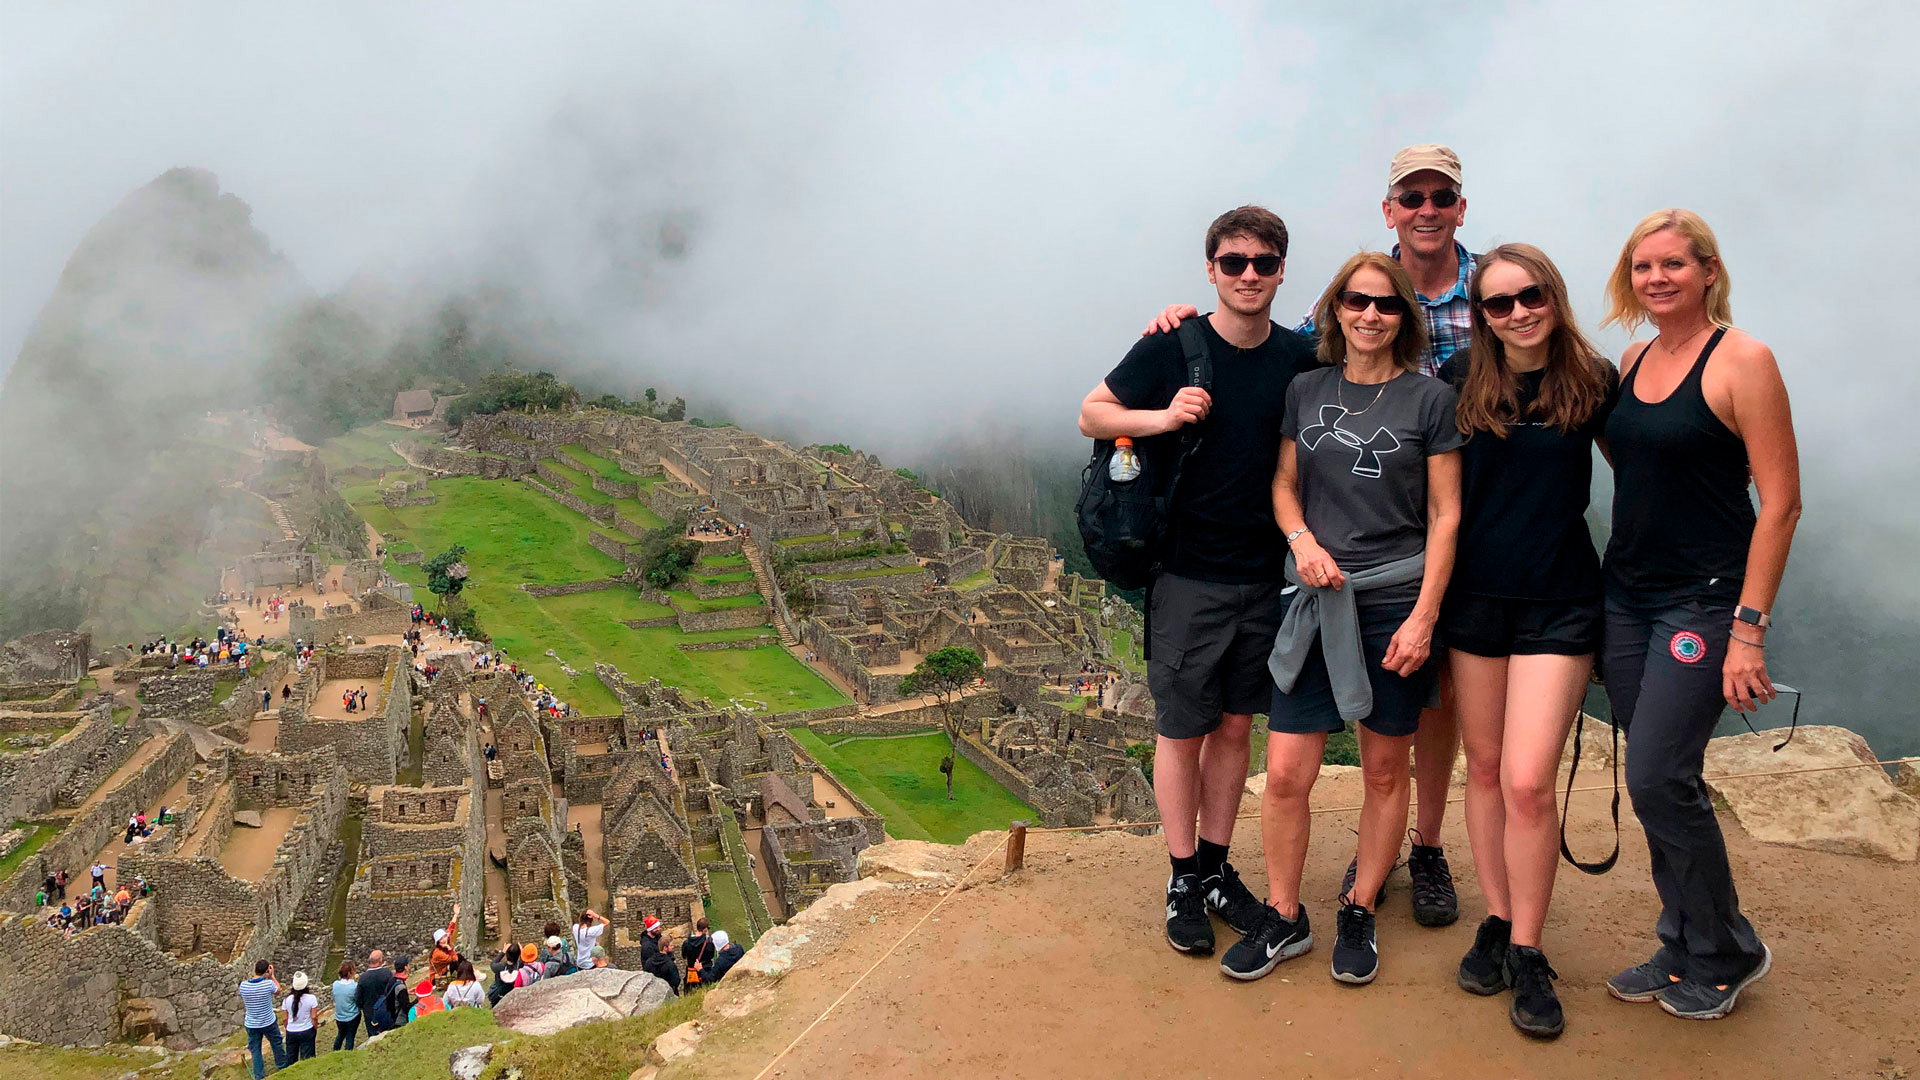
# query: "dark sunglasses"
[1385,305]
[1533,298]
[1235,265]
[1414,200]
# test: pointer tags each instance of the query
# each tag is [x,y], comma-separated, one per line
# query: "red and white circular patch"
[1688,647]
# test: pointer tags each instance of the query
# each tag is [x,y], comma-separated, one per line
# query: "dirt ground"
[1062,970]
[248,852]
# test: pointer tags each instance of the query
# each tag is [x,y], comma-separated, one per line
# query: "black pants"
[1662,669]
[344,1031]
[300,1044]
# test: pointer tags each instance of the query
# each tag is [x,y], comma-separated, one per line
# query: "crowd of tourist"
[386,994]
[713,526]
[98,904]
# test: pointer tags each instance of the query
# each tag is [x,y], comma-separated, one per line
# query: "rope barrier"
[996,849]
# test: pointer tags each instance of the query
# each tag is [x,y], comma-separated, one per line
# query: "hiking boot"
[1434,901]
[1536,1008]
[1228,898]
[1690,999]
[1642,982]
[1188,928]
[1483,970]
[1353,871]
[1356,955]
[1276,938]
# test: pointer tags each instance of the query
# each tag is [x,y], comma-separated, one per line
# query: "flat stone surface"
[582,998]
[676,1043]
[1851,811]
[249,818]
[912,859]
[468,1062]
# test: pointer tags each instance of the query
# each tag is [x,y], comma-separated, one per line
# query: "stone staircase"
[763,580]
[281,519]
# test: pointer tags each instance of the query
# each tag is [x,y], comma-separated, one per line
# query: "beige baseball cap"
[1414,159]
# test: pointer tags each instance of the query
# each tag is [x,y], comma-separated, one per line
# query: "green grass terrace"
[899,776]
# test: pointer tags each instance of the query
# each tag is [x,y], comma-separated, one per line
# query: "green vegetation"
[758,921]
[874,572]
[900,779]
[802,541]
[607,467]
[35,840]
[102,1063]
[836,448]
[946,673]
[717,562]
[499,391]
[580,485]
[978,580]
[689,602]
[726,908]
[223,690]
[609,1051]
[639,513]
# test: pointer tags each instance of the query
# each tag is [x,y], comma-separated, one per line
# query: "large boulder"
[582,998]
[1850,811]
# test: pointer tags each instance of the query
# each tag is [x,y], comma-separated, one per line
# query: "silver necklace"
[1674,350]
[1339,392]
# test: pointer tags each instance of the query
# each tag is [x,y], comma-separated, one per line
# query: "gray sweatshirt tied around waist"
[1332,616]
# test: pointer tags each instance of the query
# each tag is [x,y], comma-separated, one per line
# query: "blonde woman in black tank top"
[1691,572]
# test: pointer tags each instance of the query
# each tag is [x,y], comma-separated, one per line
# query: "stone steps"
[763,580]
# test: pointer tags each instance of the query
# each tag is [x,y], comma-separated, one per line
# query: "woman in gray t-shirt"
[1368,495]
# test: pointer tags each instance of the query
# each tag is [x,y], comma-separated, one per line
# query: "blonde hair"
[1411,340]
[1625,310]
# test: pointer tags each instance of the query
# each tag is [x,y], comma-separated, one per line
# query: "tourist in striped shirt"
[257,995]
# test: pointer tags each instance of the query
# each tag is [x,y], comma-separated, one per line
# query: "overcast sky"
[906,222]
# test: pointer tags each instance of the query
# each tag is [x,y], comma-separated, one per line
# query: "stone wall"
[372,744]
[693,622]
[375,614]
[608,545]
[180,695]
[1008,777]
[572,587]
[49,656]
[606,485]
[31,779]
[724,646]
[39,697]
[600,512]
[720,590]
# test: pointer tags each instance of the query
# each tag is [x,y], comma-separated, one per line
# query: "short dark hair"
[260,966]
[1256,222]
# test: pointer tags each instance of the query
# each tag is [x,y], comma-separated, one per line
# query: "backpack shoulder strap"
[1197,367]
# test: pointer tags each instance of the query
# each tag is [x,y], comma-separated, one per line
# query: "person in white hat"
[726,953]
[299,1007]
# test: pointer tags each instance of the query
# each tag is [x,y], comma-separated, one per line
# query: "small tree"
[945,673]
[446,574]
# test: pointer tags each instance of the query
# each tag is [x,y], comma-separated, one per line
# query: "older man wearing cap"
[1424,208]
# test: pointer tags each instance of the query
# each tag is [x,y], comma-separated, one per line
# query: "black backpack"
[1127,526]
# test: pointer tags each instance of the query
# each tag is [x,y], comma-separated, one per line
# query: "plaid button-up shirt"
[1449,317]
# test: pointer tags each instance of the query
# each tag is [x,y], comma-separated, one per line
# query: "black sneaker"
[1483,970]
[1275,939]
[1188,928]
[1691,999]
[1642,982]
[1228,898]
[1434,901]
[1535,1009]
[1356,956]
[1353,871]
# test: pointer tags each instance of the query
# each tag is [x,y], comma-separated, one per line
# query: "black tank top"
[1682,518]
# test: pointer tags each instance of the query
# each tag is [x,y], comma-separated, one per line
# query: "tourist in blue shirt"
[257,995]
[346,1009]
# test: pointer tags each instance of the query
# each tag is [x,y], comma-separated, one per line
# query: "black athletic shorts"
[1210,646]
[1492,626]
[1397,700]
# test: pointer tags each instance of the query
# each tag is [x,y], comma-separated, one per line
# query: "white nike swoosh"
[1171,911]
[1273,951]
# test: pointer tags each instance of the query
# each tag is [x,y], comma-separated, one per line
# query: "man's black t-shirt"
[1523,533]
[1223,514]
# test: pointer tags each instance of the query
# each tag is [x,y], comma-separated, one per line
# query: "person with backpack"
[399,998]
[531,970]
[376,987]
[696,953]
[506,968]
[1214,573]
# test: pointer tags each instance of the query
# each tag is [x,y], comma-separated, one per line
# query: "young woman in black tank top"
[1522,617]
[1691,571]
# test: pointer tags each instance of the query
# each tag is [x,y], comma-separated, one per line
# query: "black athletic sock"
[1212,857]
[1189,864]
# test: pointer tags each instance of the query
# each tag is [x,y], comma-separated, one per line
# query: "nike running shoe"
[1434,901]
[1356,955]
[1228,898]
[1483,970]
[1690,999]
[1188,928]
[1277,938]
[1536,1008]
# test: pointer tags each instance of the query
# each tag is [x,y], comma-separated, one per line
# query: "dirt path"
[147,752]
[173,796]
[825,791]
[497,878]
[248,852]
[587,817]
[760,876]
[262,733]
[1084,985]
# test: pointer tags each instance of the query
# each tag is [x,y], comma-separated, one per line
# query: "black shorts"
[1309,708]
[1210,645]
[1492,626]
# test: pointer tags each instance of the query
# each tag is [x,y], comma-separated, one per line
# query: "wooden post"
[1016,845]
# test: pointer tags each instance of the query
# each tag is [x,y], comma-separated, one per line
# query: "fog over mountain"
[929,232]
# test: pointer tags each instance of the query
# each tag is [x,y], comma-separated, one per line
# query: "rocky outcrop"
[582,998]
[1849,811]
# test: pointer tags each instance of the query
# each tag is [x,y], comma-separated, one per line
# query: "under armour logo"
[1369,449]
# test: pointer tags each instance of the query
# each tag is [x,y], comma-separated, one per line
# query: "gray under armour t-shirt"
[1363,464]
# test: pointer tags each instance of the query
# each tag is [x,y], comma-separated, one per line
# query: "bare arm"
[1103,417]
[1764,421]
[1312,562]
[1413,642]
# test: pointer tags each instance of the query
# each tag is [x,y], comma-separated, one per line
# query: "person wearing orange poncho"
[445,949]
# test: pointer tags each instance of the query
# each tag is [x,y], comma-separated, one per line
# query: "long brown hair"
[1576,377]
[1408,343]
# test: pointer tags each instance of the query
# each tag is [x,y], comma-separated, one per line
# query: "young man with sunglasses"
[1424,207]
[1215,607]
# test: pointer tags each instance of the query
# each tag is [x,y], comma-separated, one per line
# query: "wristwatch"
[1753,616]
[1297,534]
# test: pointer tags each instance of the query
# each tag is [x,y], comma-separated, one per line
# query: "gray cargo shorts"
[1210,646]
